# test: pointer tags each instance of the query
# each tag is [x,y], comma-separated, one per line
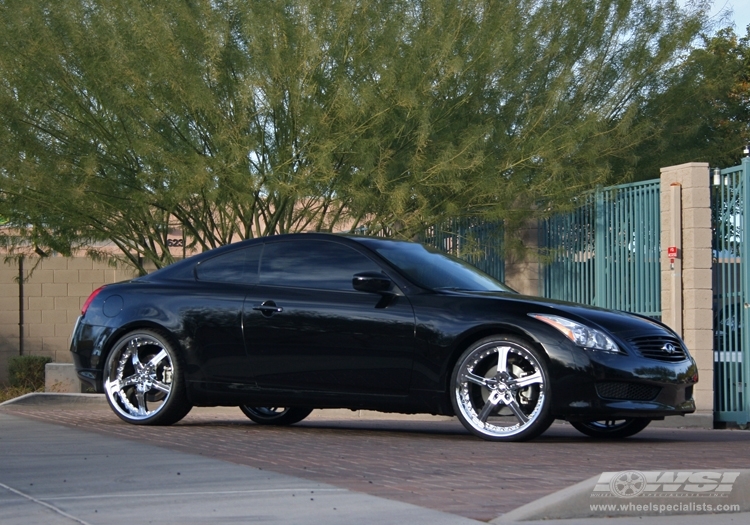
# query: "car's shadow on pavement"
[558,433]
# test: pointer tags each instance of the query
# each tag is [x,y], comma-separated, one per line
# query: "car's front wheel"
[612,428]
[278,416]
[143,380]
[500,390]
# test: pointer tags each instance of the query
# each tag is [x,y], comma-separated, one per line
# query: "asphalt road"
[419,465]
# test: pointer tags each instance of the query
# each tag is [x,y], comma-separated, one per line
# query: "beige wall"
[53,296]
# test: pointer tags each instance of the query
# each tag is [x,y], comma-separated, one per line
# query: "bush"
[27,371]
[11,392]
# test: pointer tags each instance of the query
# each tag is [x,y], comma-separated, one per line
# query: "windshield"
[434,269]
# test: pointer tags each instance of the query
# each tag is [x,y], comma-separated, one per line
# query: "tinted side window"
[312,264]
[238,266]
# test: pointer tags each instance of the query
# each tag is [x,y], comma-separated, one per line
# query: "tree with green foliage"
[703,114]
[230,119]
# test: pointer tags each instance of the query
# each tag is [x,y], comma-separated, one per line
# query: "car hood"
[622,324]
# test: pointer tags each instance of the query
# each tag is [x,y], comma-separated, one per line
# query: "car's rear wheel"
[500,390]
[612,428]
[278,416]
[143,380]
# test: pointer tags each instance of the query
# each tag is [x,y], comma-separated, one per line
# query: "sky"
[740,13]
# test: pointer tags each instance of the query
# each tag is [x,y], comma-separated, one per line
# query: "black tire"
[143,380]
[500,390]
[611,428]
[276,416]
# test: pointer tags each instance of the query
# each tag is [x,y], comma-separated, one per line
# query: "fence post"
[695,258]
[21,327]
[745,266]
[600,252]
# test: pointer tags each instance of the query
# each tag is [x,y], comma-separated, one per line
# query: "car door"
[211,312]
[307,329]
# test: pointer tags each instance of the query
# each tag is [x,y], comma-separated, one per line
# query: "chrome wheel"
[500,390]
[611,428]
[279,416]
[142,380]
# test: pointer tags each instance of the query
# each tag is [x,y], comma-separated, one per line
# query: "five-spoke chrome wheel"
[500,390]
[612,428]
[278,416]
[142,380]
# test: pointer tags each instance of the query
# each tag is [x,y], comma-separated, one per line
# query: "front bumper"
[605,386]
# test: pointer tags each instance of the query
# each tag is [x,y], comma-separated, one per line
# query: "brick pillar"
[689,185]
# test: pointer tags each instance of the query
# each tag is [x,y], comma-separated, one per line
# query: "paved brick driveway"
[434,464]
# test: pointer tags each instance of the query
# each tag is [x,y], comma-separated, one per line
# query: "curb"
[549,506]
[54,398]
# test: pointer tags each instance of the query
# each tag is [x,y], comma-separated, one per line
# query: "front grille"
[627,391]
[663,348]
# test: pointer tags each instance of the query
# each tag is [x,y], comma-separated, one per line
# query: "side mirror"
[372,282]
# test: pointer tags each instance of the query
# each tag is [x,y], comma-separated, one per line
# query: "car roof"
[183,269]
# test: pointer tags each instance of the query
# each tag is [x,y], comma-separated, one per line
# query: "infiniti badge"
[669,348]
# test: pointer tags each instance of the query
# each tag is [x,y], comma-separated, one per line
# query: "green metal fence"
[477,242]
[731,283]
[606,252]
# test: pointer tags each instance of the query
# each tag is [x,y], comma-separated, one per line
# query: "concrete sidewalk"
[54,475]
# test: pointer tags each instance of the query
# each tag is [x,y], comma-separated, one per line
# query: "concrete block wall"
[52,298]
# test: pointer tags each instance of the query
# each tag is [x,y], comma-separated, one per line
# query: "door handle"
[268,308]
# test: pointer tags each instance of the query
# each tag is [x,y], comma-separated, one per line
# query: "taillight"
[91,298]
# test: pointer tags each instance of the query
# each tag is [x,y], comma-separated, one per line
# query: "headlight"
[580,334]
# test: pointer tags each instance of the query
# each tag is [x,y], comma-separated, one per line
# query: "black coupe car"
[283,325]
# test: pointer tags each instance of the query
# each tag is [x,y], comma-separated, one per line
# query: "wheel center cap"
[144,378]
